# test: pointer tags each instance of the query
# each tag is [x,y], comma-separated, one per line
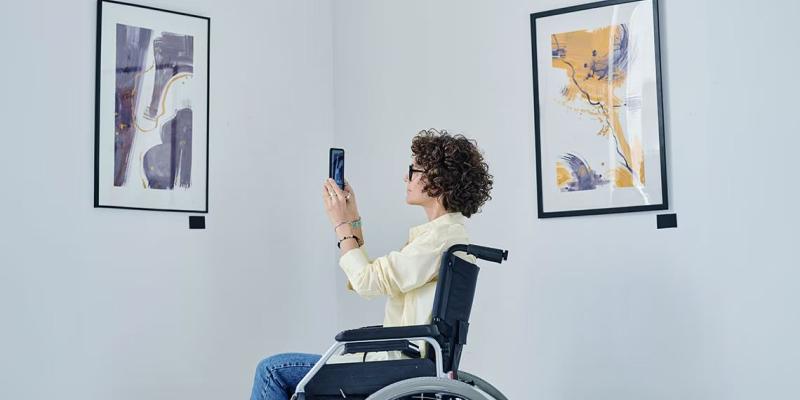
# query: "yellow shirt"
[407,277]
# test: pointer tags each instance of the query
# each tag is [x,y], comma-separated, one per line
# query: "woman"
[450,180]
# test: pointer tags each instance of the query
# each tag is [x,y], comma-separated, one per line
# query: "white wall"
[115,304]
[594,307]
[600,307]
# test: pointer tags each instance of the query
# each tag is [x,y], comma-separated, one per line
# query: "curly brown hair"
[454,168]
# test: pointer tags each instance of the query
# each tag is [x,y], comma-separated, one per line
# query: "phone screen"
[336,168]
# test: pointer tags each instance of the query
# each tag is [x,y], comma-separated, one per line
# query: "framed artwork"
[599,128]
[151,110]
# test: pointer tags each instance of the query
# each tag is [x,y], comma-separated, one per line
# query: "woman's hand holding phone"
[340,205]
[352,207]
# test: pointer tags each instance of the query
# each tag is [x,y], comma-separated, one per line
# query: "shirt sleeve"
[397,272]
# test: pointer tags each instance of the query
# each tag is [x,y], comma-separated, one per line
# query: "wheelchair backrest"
[452,302]
[452,305]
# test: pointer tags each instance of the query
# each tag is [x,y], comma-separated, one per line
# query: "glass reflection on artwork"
[596,63]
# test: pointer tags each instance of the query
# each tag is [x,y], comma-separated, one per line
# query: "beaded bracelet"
[339,243]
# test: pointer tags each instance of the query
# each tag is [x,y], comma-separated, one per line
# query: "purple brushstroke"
[599,68]
[173,158]
[174,55]
[583,177]
[559,51]
[132,43]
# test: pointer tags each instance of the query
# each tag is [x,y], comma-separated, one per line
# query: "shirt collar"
[446,219]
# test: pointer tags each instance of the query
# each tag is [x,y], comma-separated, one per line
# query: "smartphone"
[336,166]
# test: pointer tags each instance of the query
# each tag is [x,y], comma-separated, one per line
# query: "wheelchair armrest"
[380,345]
[395,332]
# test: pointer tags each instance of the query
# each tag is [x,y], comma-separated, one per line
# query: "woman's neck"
[435,210]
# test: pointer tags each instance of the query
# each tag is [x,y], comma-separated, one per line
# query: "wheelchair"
[435,376]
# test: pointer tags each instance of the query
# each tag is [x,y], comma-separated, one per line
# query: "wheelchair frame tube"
[301,387]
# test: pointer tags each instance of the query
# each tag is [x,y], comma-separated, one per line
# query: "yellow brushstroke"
[563,176]
[143,176]
[641,172]
[622,178]
[136,76]
[135,83]
[638,162]
[163,102]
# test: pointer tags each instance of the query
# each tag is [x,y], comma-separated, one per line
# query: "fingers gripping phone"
[336,166]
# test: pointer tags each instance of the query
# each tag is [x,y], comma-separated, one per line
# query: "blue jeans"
[277,376]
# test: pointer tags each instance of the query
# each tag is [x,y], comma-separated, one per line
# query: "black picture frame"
[98,100]
[664,204]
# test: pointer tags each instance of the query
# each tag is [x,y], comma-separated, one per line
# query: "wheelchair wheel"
[427,388]
[482,385]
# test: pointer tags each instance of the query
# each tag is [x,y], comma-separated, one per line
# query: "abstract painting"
[598,119]
[151,139]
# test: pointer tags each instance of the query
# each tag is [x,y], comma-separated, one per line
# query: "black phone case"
[331,166]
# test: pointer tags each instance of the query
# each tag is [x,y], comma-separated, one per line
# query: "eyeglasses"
[411,171]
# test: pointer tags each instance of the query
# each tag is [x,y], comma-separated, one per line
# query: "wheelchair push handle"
[488,253]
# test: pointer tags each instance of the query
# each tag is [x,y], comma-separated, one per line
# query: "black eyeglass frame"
[411,171]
